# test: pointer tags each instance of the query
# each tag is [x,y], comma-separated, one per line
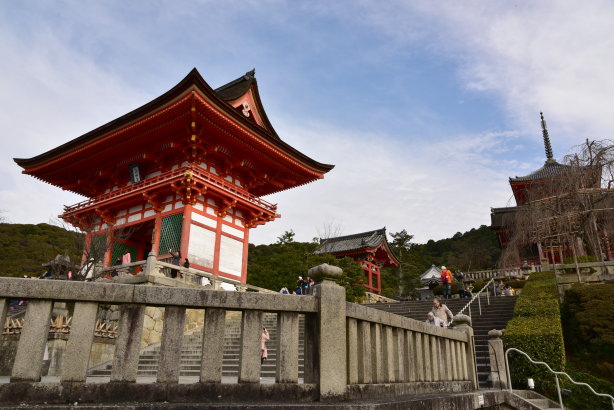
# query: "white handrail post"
[480,304]
[558,391]
[507,370]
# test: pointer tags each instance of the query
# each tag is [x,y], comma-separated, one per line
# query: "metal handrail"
[556,378]
[477,295]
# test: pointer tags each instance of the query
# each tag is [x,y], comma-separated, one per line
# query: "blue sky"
[426,108]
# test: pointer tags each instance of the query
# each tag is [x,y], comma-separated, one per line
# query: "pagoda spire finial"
[547,146]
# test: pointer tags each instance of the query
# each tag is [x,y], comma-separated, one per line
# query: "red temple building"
[523,188]
[185,172]
[538,187]
[369,249]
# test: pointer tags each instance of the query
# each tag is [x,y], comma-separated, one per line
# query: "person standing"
[460,280]
[431,319]
[442,312]
[446,281]
[263,350]
[300,283]
[175,258]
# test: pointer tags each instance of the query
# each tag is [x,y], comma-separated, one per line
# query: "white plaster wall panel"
[149,213]
[136,209]
[121,221]
[201,198]
[178,204]
[239,213]
[210,211]
[167,207]
[121,213]
[147,205]
[174,167]
[134,217]
[199,206]
[228,178]
[228,218]
[232,231]
[184,164]
[168,198]
[201,246]
[211,202]
[204,220]
[213,171]
[104,226]
[228,286]
[239,222]
[231,256]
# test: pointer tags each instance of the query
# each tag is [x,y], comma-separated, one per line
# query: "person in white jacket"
[431,319]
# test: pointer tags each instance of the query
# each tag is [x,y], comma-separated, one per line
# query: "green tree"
[286,237]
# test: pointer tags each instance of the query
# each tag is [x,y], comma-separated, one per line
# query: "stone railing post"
[150,266]
[331,332]
[497,360]
[462,323]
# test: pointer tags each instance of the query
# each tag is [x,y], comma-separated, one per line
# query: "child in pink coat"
[265,338]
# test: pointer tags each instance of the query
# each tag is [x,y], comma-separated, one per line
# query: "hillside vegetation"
[477,249]
[26,247]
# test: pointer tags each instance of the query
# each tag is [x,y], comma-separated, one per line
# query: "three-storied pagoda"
[184,172]
[369,249]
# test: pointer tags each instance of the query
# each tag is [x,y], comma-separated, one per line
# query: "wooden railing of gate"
[350,350]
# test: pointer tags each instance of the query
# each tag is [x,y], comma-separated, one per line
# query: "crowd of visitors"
[303,287]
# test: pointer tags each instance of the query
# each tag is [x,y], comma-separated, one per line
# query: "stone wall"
[102,351]
[154,320]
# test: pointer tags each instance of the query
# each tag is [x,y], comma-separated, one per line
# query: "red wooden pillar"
[379,281]
[88,252]
[245,250]
[185,231]
[109,248]
[218,244]
[155,240]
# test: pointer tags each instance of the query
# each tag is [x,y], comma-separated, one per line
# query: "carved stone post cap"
[460,320]
[495,334]
[325,271]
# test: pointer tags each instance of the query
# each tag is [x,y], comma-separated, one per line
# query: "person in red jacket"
[446,281]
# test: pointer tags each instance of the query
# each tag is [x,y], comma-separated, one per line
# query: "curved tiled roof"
[551,169]
[357,241]
[193,79]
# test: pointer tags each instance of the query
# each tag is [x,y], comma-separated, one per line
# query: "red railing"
[213,180]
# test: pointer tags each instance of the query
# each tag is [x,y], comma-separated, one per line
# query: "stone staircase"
[530,400]
[494,316]
[191,352]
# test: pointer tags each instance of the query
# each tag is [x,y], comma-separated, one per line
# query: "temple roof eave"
[364,242]
[551,169]
[193,81]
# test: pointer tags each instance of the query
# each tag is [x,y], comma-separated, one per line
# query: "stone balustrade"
[350,351]
[509,273]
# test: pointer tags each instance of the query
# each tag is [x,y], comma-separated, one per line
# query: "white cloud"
[431,189]
[50,94]
[551,56]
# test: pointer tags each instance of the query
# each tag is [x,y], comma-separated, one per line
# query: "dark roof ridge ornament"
[250,74]
[549,157]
